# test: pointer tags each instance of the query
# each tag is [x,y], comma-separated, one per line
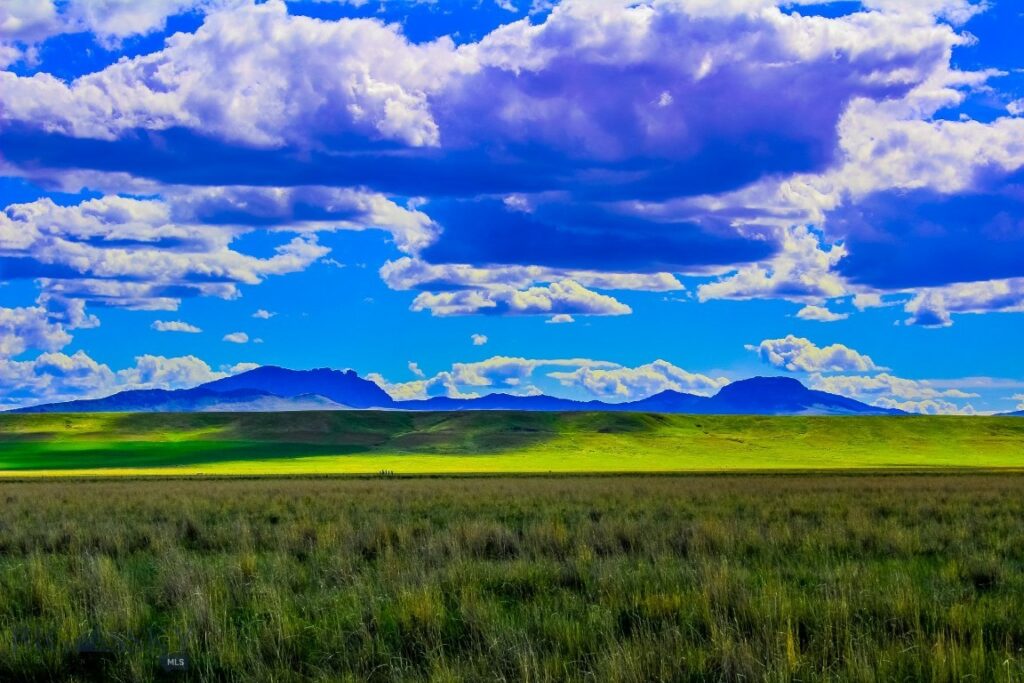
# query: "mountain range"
[275,389]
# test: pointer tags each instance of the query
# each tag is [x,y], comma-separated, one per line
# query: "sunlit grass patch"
[365,442]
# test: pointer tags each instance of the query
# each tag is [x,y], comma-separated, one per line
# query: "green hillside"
[367,442]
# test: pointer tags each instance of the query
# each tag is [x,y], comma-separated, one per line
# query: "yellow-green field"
[493,442]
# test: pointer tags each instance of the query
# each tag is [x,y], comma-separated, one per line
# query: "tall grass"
[778,578]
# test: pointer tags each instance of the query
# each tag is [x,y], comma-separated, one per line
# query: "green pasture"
[490,442]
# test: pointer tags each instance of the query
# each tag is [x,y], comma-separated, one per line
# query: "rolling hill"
[431,442]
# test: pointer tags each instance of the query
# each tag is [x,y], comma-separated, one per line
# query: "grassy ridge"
[368,441]
[770,577]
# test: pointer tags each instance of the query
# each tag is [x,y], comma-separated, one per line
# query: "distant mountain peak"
[273,388]
[786,395]
[764,383]
[344,387]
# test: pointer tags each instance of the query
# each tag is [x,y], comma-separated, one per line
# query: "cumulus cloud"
[934,307]
[888,391]
[236,337]
[565,296]
[973,235]
[479,339]
[53,376]
[30,327]
[507,374]
[512,371]
[441,384]
[152,372]
[56,376]
[26,20]
[33,21]
[302,209]
[235,78]
[928,407]
[560,319]
[710,99]
[373,83]
[710,62]
[798,354]
[820,314]
[174,326]
[122,251]
[263,314]
[864,301]
[410,273]
[801,271]
[732,127]
[639,382]
[507,290]
[238,368]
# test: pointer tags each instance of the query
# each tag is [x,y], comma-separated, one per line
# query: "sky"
[591,199]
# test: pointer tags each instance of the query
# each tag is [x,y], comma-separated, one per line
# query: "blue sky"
[587,199]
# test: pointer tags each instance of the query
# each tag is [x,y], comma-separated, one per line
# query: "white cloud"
[1019,397]
[26,20]
[236,337]
[955,11]
[864,301]
[55,376]
[798,354]
[927,407]
[414,368]
[33,21]
[507,290]
[441,384]
[370,82]
[153,372]
[479,339]
[263,314]
[560,319]
[239,368]
[338,208]
[411,273]
[505,373]
[116,251]
[887,391]
[238,78]
[933,307]
[511,370]
[801,271]
[565,296]
[885,385]
[820,314]
[639,382]
[30,327]
[174,326]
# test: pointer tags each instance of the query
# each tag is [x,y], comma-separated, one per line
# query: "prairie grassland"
[364,442]
[910,577]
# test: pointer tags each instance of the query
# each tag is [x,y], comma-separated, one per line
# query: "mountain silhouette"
[785,396]
[343,387]
[270,389]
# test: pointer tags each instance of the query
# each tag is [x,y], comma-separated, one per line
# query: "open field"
[628,578]
[493,442]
